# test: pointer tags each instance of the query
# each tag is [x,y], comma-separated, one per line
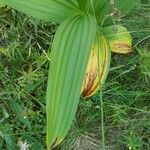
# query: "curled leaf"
[97,68]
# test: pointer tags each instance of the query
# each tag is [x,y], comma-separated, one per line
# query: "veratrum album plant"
[80,54]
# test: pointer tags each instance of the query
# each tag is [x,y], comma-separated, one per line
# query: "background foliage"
[23,76]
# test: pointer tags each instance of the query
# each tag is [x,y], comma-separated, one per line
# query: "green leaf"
[73,2]
[69,57]
[97,6]
[82,4]
[48,10]
[119,39]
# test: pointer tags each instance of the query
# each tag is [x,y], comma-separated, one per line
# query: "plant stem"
[101,101]
[102,120]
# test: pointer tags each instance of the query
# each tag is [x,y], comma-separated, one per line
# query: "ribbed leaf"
[73,2]
[95,77]
[119,39]
[69,57]
[92,6]
[82,4]
[97,6]
[48,10]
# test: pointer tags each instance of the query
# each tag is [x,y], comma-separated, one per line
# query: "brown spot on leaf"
[91,78]
[121,48]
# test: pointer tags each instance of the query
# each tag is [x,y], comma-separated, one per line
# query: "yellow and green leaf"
[97,68]
[119,38]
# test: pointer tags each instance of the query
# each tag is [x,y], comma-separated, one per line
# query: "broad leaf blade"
[69,57]
[119,39]
[48,10]
[73,2]
[84,4]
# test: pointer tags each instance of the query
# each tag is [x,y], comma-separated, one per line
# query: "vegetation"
[24,62]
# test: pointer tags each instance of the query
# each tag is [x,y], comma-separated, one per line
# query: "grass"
[23,76]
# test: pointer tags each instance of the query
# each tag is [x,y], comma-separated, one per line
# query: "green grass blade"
[48,10]
[69,57]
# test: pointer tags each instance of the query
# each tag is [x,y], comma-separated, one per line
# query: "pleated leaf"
[91,6]
[82,4]
[97,6]
[48,10]
[69,56]
[73,2]
[98,67]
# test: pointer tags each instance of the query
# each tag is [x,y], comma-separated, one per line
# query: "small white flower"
[23,145]
[112,2]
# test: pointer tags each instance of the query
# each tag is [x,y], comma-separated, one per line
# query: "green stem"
[101,101]
[102,120]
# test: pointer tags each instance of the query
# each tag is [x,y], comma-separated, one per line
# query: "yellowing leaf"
[97,70]
[119,39]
